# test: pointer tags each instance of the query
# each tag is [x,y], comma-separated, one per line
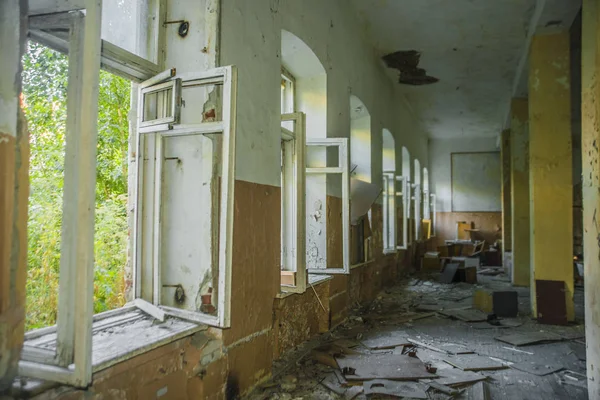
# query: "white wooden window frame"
[293,201]
[433,198]
[389,212]
[288,100]
[73,27]
[417,211]
[404,194]
[426,204]
[223,219]
[341,169]
[170,105]
[71,361]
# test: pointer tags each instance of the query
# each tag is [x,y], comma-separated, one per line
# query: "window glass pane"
[124,23]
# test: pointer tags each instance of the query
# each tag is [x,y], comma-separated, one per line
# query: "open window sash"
[217,138]
[293,205]
[70,360]
[404,194]
[432,198]
[342,169]
[389,212]
[417,212]
[73,27]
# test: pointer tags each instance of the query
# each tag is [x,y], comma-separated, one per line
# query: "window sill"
[313,280]
[117,336]
[362,264]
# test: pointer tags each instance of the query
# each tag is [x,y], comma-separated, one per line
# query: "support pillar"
[506,198]
[14,189]
[519,168]
[590,140]
[550,171]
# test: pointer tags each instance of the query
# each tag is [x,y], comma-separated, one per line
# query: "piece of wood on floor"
[340,378]
[352,392]
[385,339]
[382,366]
[473,362]
[466,315]
[455,349]
[523,339]
[479,391]
[331,382]
[537,369]
[443,388]
[456,378]
[449,273]
[410,390]
[551,302]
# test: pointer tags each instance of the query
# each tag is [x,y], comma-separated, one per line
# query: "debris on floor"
[423,339]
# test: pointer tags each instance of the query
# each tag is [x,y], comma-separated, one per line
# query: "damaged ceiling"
[474,48]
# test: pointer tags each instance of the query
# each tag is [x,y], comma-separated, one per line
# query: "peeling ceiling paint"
[472,46]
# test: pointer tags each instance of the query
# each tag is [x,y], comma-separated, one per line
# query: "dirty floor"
[419,316]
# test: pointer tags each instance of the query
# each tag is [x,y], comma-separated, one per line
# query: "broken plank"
[455,377]
[537,369]
[392,388]
[522,339]
[466,315]
[332,383]
[449,273]
[352,392]
[443,388]
[383,366]
[386,340]
[426,346]
[473,362]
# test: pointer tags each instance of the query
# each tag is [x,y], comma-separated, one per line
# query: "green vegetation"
[45,79]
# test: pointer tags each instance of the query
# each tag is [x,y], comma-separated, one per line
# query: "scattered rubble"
[423,339]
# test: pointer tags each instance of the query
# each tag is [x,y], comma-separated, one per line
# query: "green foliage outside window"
[45,76]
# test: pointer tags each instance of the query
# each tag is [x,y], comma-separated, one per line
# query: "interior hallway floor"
[413,312]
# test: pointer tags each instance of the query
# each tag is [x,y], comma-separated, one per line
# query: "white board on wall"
[476,182]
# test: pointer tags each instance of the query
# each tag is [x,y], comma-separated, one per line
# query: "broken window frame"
[390,227]
[293,201]
[405,195]
[222,215]
[341,169]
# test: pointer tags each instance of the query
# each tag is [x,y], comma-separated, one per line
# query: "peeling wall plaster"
[251,39]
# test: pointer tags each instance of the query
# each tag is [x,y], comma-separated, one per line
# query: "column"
[591,187]
[519,168]
[550,175]
[506,197]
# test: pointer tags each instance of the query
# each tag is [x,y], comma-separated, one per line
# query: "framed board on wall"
[476,182]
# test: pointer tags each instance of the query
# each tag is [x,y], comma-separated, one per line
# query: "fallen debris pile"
[427,340]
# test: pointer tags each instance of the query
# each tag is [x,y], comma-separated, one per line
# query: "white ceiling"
[474,47]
